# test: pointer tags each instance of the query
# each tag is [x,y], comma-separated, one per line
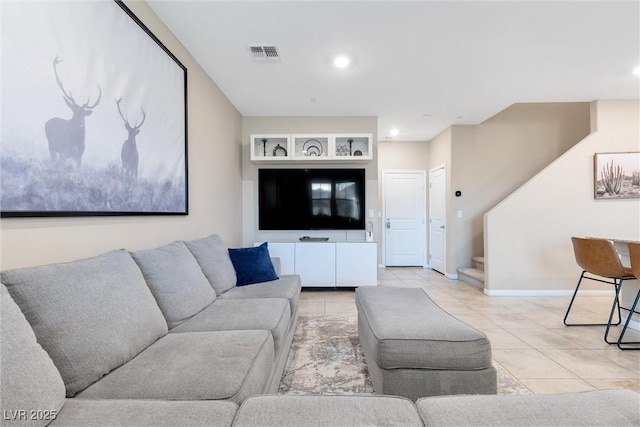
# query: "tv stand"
[323,264]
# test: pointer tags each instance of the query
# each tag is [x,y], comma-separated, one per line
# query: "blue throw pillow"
[253,265]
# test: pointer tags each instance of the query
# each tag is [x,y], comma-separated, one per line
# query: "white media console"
[329,264]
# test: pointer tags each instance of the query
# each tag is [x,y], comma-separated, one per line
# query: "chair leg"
[626,324]
[615,303]
[573,299]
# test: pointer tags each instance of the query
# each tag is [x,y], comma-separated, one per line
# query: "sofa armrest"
[276,264]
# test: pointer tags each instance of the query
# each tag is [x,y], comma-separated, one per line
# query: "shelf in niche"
[270,147]
[310,148]
[356,147]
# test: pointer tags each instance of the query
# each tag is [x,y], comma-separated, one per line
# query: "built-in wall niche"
[353,146]
[270,147]
[311,148]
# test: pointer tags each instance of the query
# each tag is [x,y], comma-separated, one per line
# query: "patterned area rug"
[326,358]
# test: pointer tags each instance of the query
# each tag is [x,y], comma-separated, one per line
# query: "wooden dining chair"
[599,257]
[634,256]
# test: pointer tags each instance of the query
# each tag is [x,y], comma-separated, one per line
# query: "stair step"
[478,262]
[471,276]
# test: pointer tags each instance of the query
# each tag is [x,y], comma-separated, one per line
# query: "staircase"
[473,276]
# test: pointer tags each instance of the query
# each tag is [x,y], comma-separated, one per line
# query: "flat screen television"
[311,199]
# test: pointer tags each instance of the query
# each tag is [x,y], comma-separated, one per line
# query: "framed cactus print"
[94,116]
[617,175]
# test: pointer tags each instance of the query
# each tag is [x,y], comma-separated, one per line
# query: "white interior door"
[404,218]
[437,218]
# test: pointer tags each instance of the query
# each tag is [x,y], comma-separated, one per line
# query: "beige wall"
[486,162]
[403,155]
[214,133]
[494,158]
[527,236]
[292,125]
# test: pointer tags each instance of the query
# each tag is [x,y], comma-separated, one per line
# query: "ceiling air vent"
[265,53]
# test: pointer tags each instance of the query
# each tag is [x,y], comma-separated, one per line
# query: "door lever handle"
[388,224]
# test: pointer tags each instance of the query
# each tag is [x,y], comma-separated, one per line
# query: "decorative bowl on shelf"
[312,148]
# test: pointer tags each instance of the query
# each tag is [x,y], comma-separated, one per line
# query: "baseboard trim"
[544,292]
[451,276]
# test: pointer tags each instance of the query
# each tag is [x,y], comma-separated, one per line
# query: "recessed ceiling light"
[636,71]
[394,132]
[341,61]
[426,116]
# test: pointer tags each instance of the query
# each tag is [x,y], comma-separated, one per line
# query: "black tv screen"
[311,199]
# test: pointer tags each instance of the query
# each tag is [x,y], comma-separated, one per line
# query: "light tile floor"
[527,335]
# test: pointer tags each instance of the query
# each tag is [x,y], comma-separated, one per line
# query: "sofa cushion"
[91,315]
[193,366]
[30,381]
[592,408]
[213,257]
[330,411]
[176,281]
[253,265]
[270,314]
[287,286]
[406,329]
[151,413]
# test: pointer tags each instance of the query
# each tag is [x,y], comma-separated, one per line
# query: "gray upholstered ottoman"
[329,411]
[591,408]
[413,348]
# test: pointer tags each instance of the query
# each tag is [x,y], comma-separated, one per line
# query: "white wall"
[214,136]
[527,236]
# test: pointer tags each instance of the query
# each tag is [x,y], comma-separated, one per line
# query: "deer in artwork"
[129,152]
[67,137]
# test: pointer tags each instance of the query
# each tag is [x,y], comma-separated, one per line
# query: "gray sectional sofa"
[165,324]
[163,337]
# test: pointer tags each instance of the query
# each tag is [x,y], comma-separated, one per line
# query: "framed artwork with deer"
[616,175]
[94,114]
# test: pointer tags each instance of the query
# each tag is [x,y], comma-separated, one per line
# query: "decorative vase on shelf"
[279,149]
